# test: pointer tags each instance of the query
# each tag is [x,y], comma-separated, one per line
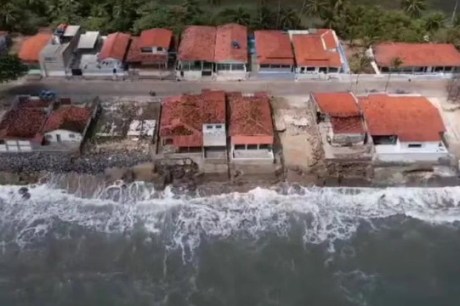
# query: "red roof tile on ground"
[310,51]
[115,46]
[337,104]
[411,118]
[227,35]
[156,38]
[32,46]
[273,47]
[251,116]
[197,44]
[416,55]
[136,56]
[22,123]
[182,117]
[71,118]
[348,125]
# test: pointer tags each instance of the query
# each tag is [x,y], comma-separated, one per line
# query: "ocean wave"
[324,214]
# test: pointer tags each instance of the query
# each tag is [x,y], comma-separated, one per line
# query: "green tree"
[289,19]
[413,8]
[394,65]
[238,15]
[264,18]
[11,68]
[64,11]
[434,21]
[313,8]
[359,64]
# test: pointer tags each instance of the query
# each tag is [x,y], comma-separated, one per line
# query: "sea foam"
[325,214]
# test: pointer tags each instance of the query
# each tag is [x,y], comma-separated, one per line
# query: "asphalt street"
[434,87]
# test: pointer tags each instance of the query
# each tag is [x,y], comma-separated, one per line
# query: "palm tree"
[313,8]
[289,19]
[434,21]
[265,18]
[239,15]
[413,8]
[394,65]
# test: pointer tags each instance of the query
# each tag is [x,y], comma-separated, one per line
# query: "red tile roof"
[182,117]
[71,118]
[156,38]
[416,55]
[197,44]
[273,47]
[22,123]
[316,50]
[250,119]
[411,118]
[115,46]
[227,37]
[32,46]
[337,104]
[136,56]
[329,37]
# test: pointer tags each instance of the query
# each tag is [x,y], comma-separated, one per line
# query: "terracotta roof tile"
[337,104]
[348,125]
[32,46]
[329,37]
[136,56]
[156,38]
[182,117]
[416,55]
[197,44]
[315,50]
[115,46]
[22,123]
[71,118]
[273,47]
[250,116]
[411,118]
[231,43]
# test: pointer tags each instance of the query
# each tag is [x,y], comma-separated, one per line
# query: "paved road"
[434,87]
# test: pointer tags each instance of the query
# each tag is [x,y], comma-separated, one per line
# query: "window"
[238,67]
[252,147]
[218,126]
[438,69]
[240,147]
[384,69]
[323,69]
[415,145]
[209,127]
[146,50]
[264,147]
[332,69]
[264,66]
[160,49]
[311,68]
[71,135]
[285,66]
[302,70]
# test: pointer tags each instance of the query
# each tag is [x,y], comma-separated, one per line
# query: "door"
[58,137]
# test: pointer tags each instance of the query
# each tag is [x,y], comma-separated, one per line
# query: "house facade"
[273,53]
[231,52]
[317,52]
[194,124]
[109,60]
[150,51]
[416,58]
[195,57]
[404,128]
[251,128]
[339,114]
[56,57]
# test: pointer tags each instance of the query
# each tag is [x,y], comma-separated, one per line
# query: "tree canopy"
[412,22]
[11,68]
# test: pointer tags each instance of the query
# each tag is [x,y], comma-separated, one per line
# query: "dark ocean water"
[314,247]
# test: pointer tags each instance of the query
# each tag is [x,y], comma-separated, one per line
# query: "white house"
[404,128]
[231,53]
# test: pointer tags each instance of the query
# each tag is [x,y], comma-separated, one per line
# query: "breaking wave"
[324,215]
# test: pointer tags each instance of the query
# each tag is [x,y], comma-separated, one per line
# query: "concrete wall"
[401,152]
[345,139]
[65,136]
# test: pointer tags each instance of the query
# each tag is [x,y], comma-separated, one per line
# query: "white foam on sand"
[324,214]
